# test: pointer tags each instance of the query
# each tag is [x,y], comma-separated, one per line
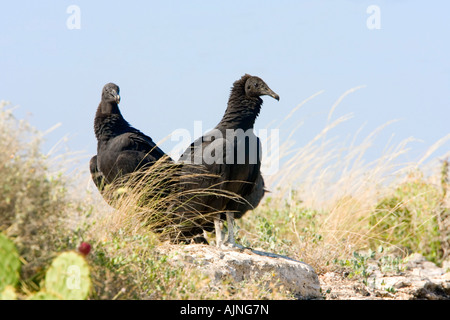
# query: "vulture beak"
[113,93]
[275,96]
[269,92]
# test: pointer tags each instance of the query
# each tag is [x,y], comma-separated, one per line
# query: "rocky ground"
[416,279]
[410,278]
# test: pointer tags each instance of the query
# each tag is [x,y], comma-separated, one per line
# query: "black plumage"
[121,149]
[231,153]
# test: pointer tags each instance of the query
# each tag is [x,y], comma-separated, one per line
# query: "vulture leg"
[230,221]
[231,241]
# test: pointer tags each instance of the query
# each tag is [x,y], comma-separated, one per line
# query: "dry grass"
[158,200]
[34,201]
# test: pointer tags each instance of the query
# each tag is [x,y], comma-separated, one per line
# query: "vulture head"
[255,87]
[111,93]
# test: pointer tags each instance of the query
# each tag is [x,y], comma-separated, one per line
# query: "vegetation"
[408,218]
[67,278]
[9,265]
[327,207]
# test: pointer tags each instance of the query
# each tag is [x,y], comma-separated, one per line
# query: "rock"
[415,259]
[297,277]
[446,265]
[419,279]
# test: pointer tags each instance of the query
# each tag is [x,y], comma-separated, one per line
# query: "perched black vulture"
[121,149]
[231,152]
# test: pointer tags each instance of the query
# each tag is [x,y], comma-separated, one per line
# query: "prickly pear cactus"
[68,277]
[9,263]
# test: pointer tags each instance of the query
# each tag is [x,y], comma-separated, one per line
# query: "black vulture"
[231,153]
[124,152]
[121,149]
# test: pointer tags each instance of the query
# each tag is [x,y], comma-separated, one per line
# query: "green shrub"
[34,200]
[407,219]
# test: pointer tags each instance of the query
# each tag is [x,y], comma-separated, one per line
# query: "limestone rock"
[245,264]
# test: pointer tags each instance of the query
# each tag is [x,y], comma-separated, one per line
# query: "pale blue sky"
[175,62]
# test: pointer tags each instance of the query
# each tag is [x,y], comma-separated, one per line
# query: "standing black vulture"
[121,149]
[232,153]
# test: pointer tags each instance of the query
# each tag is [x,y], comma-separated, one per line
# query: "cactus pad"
[9,263]
[68,277]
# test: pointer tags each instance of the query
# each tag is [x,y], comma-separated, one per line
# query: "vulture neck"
[109,122]
[242,110]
